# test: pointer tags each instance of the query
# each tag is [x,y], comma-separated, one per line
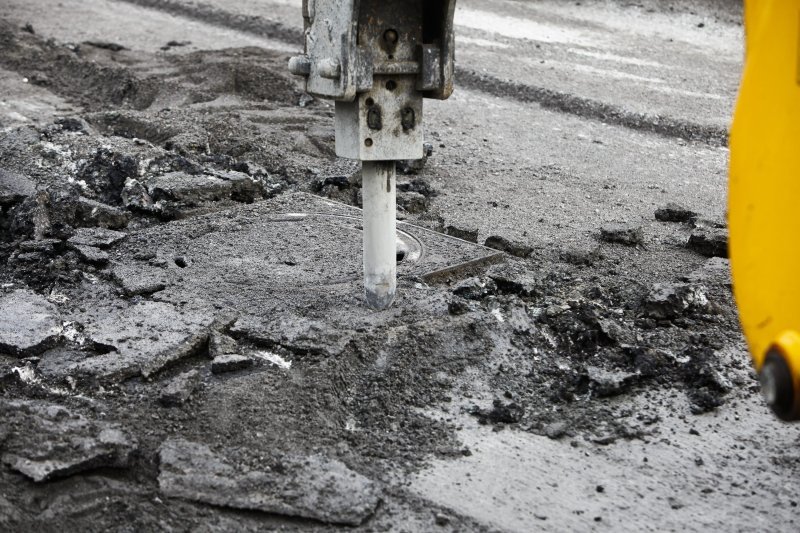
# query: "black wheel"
[777,386]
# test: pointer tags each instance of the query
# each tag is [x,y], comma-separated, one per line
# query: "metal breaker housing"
[377,59]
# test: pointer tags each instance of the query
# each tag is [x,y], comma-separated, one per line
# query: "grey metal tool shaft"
[380,232]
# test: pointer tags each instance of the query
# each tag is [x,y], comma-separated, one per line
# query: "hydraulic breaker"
[764,198]
[378,59]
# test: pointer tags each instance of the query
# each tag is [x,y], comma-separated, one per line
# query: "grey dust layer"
[183,342]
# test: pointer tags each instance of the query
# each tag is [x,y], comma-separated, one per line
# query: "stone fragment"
[139,280]
[143,339]
[312,487]
[135,196]
[14,187]
[93,213]
[675,213]
[510,247]
[475,288]
[294,333]
[230,363]
[581,256]
[627,235]
[221,344]
[45,246]
[179,389]
[711,242]
[606,383]
[458,308]
[500,413]
[412,202]
[92,255]
[465,234]
[97,237]
[45,441]
[195,189]
[29,324]
[189,189]
[672,300]
[513,278]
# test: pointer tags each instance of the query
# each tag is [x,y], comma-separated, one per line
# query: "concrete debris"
[196,189]
[475,288]
[230,363]
[29,324]
[93,213]
[581,256]
[143,339]
[412,202]
[458,307]
[139,280]
[294,333]
[14,187]
[510,247]
[45,441]
[675,213]
[627,235]
[45,246]
[313,487]
[672,300]
[711,242]
[179,389]
[500,413]
[513,278]
[135,196]
[92,255]
[97,237]
[221,344]
[606,383]
[465,234]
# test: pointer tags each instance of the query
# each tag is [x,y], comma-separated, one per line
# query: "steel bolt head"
[390,36]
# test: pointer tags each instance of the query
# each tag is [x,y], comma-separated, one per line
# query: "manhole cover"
[292,244]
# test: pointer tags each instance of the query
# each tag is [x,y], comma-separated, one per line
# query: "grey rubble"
[143,339]
[304,486]
[45,441]
[28,323]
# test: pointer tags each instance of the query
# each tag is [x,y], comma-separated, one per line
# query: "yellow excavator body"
[764,199]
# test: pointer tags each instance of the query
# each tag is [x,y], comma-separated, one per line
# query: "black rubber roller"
[777,386]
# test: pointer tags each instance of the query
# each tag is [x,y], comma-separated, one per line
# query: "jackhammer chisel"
[378,59]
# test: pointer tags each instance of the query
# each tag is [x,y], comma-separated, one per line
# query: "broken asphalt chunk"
[92,255]
[313,487]
[672,300]
[143,339]
[97,237]
[14,187]
[627,235]
[29,324]
[510,247]
[465,234]
[139,280]
[710,242]
[606,383]
[179,389]
[675,213]
[475,288]
[45,441]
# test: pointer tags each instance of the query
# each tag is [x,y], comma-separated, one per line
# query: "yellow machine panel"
[764,201]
